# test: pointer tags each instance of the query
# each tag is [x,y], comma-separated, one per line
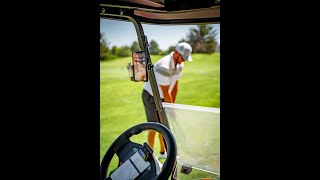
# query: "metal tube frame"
[143,42]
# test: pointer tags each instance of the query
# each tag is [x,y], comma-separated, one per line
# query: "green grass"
[121,105]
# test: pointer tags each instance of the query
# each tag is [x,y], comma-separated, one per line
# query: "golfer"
[167,72]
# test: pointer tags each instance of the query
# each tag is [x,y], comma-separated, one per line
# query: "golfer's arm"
[174,92]
[166,94]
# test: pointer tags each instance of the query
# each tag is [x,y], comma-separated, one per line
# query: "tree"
[202,39]
[182,40]
[124,51]
[171,48]
[103,44]
[115,50]
[135,46]
[104,50]
[154,48]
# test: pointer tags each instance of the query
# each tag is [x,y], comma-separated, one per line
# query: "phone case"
[139,62]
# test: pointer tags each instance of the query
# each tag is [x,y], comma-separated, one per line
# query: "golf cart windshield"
[197,132]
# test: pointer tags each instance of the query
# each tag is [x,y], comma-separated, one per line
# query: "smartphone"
[139,62]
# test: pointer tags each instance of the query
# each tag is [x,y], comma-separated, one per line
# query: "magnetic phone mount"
[130,71]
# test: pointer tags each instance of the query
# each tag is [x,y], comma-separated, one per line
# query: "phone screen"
[139,66]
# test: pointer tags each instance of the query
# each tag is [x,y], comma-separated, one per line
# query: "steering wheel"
[124,149]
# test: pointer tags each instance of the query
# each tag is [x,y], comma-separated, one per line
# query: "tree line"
[200,38]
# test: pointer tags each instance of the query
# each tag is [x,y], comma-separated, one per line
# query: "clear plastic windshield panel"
[197,133]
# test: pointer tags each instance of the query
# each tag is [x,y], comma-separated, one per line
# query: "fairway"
[121,105]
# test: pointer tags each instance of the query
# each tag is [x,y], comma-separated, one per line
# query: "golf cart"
[135,160]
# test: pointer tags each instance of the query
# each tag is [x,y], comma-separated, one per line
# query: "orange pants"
[151,136]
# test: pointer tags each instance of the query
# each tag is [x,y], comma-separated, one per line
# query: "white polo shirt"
[166,74]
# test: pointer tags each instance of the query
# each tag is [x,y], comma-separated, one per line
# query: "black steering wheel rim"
[137,129]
